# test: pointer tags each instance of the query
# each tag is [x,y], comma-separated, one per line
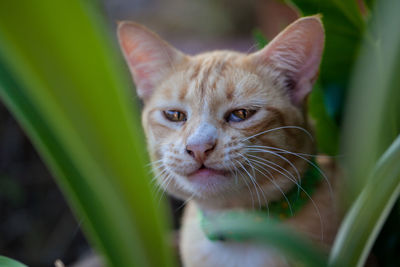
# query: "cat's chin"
[204,174]
[208,181]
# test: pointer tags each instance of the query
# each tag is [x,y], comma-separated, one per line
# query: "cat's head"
[221,126]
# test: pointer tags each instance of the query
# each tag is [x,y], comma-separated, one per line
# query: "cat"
[222,130]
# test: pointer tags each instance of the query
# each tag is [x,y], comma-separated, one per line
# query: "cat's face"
[219,125]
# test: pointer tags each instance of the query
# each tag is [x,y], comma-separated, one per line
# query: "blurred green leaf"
[373,112]
[372,125]
[370,3]
[7,262]
[257,227]
[326,129]
[344,28]
[60,78]
[367,215]
[260,39]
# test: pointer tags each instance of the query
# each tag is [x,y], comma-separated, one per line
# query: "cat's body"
[221,129]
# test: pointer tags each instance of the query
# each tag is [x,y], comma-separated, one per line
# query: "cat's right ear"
[149,57]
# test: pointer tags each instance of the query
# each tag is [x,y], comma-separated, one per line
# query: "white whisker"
[274,183]
[310,162]
[305,192]
[279,156]
[254,181]
[280,128]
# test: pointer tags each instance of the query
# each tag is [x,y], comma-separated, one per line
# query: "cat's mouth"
[204,172]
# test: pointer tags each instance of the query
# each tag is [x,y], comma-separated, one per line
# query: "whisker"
[153,162]
[169,178]
[185,202]
[279,156]
[254,181]
[245,181]
[273,164]
[255,187]
[280,128]
[162,172]
[275,184]
[305,192]
[311,163]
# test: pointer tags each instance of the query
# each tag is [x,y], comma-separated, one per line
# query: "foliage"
[7,262]
[344,27]
[60,78]
[259,227]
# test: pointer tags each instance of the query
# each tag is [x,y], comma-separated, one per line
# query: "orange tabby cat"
[222,128]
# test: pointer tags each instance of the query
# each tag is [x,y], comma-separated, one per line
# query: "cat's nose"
[202,141]
[200,151]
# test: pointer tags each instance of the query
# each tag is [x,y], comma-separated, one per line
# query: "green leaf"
[371,138]
[7,262]
[260,39]
[370,3]
[326,129]
[257,227]
[344,28]
[367,215]
[60,78]
[373,117]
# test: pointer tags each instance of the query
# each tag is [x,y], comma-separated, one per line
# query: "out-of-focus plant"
[371,140]
[4,261]
[60,79]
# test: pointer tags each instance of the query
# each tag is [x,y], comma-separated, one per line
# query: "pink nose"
[200,151]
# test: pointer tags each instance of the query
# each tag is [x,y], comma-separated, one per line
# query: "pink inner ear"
[148,57]
[296,54]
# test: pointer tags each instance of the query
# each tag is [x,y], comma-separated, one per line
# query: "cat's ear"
[295,55]
[149,57]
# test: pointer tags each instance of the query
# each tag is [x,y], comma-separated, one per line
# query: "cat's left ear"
[294,56]
[148,56]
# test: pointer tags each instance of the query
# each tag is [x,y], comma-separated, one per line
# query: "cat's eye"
[175,115]
[240,115]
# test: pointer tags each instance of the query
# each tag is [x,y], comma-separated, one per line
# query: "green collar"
[287,207]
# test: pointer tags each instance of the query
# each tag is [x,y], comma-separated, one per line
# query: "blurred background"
[36,225]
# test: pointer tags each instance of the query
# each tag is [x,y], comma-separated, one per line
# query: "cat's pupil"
[240,115]
[175,115]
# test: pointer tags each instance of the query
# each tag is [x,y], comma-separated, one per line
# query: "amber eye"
[240,115]
[175,115]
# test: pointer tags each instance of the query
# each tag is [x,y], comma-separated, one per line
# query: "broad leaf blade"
[365,219]
[62,82]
